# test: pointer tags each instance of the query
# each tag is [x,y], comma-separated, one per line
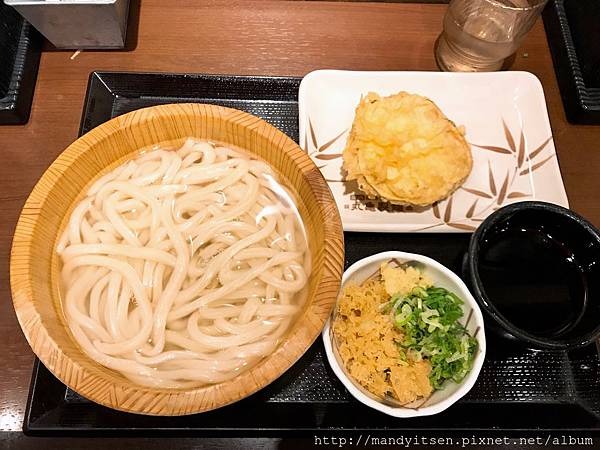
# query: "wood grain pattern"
[254,38]
[34,266]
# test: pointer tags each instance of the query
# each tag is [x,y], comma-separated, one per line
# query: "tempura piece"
[403,149]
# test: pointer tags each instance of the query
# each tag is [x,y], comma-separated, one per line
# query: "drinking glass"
[480,34]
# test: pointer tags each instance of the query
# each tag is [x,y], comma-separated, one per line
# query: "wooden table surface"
[242,37]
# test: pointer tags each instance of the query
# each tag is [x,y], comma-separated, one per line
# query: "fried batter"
[368,342]
[403,149]
[411,382]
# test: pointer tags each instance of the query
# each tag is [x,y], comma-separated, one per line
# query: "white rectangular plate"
[506,122]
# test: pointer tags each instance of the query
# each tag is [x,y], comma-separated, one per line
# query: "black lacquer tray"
[518,388]
[20,47]
[573,29]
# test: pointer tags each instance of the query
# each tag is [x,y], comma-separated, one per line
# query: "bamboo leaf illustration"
[372,276]
[477,219]
[493,148]
[436,210]
[429,227]
[313,137]
[328,157]
[538,150]
[321,166]
[491,179]
[396,262]
[509,137]
[471,210]
[521,155]
[448,212]
[462,226]
[536,166]
[328,144]
[503,189]
[477,192]
[469,318]
[517,195]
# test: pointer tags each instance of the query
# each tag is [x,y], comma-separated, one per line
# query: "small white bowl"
[472,319]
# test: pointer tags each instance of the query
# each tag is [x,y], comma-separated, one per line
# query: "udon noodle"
[183,267]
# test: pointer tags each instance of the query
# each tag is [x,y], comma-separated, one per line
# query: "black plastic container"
[573,30]
[534,268]
[20,46]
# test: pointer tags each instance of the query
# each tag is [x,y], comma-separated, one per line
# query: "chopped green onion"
[428,319]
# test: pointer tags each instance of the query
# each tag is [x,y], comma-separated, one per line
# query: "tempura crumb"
[368,342]
[411,382]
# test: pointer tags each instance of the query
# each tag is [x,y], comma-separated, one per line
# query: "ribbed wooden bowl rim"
[118,393]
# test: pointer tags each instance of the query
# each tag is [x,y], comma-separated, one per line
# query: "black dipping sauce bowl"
[534,268]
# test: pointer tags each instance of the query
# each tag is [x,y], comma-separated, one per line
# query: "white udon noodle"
[183,268]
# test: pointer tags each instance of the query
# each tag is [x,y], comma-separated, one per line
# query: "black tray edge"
[39,427]
[15,107]
[99,95]
[103,99]
[36,424]
[574,92]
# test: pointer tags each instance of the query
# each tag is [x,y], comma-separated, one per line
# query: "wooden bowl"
[34,265]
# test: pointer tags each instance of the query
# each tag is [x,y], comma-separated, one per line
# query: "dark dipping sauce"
[534,281]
